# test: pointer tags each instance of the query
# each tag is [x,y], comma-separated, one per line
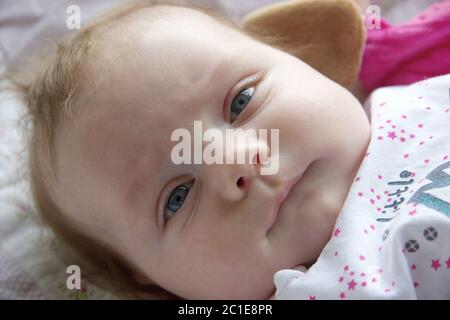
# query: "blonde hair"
[49,97]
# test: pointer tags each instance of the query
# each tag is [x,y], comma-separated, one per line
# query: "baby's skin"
[230,228]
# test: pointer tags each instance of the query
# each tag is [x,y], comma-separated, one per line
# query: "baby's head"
[102,174]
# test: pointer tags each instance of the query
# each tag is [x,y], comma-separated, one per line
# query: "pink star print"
[312,297]
[448,263]
[392,135]
[336,232]
[351,285]
[435,264]
[342,295]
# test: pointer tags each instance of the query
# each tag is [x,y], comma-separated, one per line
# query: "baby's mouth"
[280,198]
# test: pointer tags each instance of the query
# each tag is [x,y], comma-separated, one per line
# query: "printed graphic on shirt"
[404,184]
[439,180]
[434,195]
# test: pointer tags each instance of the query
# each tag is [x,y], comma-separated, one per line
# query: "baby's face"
[199,230]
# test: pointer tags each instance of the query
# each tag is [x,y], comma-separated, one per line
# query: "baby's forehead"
[162,36]
[158,69]
[169,22]
[160,58]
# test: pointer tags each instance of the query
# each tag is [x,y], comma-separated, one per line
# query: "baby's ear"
[326,34]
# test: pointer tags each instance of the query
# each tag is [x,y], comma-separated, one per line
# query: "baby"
[103,177]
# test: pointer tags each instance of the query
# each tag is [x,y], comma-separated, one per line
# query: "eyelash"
[246,84]
[168,192]
[249,90]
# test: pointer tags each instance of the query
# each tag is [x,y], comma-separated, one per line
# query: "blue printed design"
[439,179]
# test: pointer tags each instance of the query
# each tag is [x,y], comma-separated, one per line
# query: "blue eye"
[176,199]
[240,102]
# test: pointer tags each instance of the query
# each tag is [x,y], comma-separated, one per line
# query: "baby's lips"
[283,277]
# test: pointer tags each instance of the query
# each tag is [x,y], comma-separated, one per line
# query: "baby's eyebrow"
[142,180]
[224,64]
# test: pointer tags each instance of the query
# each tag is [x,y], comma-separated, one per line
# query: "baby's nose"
[232,179]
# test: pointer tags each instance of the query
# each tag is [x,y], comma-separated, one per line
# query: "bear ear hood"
[328,35]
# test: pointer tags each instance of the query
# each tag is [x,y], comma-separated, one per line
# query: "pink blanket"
[409,52]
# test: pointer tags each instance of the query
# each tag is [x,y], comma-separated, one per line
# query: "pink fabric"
[409,52]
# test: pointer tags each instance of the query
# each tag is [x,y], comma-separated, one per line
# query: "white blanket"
[392,237]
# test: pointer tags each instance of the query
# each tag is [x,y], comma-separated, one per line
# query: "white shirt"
[392,237]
